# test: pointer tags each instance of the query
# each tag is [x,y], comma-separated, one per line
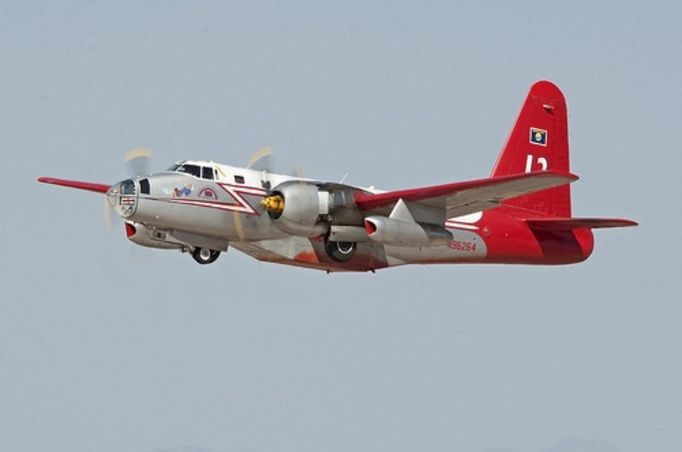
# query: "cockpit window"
[175,166]
[194,170]
[144,186]
[207,172]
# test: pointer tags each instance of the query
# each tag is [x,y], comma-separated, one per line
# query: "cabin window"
[207,172]
[239,179]
[194,170]
[144,186]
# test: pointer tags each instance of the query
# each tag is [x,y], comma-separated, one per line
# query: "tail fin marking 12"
[539,142]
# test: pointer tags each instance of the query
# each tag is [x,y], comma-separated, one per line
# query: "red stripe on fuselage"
[239,205]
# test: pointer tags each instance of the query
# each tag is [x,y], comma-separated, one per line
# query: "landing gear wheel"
[205,256]
[340,251]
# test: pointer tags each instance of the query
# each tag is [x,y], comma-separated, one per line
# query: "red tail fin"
[539,141]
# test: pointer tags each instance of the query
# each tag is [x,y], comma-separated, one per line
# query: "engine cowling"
[391,231]
[295,208]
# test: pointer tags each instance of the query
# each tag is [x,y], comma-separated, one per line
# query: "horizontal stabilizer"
[567,224]
[88,186]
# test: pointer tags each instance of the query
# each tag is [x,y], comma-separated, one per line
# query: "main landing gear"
[339,251]
[205,256]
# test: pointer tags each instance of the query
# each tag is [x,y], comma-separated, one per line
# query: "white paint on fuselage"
[161,209]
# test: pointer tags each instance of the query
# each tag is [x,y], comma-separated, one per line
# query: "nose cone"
[122,197]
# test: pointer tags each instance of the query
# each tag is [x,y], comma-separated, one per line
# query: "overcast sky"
[109,348]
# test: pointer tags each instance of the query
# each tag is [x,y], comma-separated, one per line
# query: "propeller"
[274,203]
[263,159]
[260,159]
[138,163]
[107,214]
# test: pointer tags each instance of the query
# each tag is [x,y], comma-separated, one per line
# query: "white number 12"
[540,161]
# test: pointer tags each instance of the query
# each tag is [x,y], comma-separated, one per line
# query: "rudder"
[538,142]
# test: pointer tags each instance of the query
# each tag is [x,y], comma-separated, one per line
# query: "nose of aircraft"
[122,197]
[112,195]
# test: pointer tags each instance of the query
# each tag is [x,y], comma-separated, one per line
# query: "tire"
[340,251]
[205,256]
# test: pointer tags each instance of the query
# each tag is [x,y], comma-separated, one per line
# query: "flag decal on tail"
[538,136]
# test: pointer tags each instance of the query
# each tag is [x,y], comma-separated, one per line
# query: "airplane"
[521,214]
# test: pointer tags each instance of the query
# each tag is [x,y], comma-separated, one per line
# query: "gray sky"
[107,348]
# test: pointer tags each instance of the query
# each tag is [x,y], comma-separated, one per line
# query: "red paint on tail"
[539,141]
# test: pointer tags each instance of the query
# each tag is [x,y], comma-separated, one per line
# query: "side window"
[144,186]
[239,179]
[207,172]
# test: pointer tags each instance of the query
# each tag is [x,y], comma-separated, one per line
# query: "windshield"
[174,166]
[194,170]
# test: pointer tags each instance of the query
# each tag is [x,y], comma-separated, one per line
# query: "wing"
[462,198]
[88,186]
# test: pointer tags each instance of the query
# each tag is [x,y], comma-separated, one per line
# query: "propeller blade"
[261,159]
[297,171]
[107,214]
[138,161]
[110,220]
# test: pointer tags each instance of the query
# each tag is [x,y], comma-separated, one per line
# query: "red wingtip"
[88,186]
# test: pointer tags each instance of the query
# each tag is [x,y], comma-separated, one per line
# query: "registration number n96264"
[461,245]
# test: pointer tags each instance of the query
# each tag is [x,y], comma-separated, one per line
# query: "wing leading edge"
[462,198]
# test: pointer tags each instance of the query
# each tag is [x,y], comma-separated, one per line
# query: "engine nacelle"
[295,208]
[140,235]
[391,231]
